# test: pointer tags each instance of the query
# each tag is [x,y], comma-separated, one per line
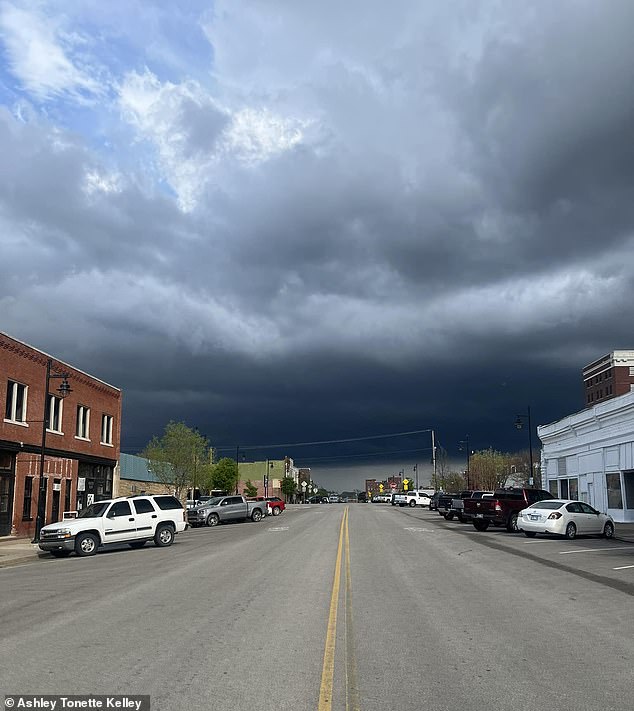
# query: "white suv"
[134,520]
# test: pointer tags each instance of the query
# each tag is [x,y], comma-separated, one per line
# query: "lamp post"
[519,424]
[63,390]
[464,444]
[416,474]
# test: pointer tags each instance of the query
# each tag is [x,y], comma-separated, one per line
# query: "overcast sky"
[284,221]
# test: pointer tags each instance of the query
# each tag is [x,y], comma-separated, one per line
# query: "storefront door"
[6,503]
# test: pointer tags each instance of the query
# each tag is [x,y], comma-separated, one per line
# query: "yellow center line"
[328,669]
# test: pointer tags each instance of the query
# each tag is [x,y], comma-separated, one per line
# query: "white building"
[590,456]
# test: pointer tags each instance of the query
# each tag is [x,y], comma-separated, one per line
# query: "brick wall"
[20,363]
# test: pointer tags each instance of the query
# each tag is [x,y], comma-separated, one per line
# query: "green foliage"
[224,475]
[452,481]
[288,486]
[178,458]
[250,489]
[489,469]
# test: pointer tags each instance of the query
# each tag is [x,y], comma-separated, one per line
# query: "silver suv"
[133,520]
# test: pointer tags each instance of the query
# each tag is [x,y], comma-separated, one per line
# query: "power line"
[367,454]
[325,441]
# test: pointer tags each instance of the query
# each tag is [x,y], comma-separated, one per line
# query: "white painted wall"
[593,442]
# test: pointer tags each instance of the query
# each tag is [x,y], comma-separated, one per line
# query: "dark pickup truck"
[445,504]
[502,508]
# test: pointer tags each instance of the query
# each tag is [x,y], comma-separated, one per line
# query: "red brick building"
[82,437]
[609,376]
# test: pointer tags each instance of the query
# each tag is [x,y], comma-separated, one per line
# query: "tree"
[288,486]
[250,489]
[489,469]
[178,458]
[224,475]
[442,468]
[452,481]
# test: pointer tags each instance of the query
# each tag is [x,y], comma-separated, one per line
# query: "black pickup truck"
[445,504]
[503,507]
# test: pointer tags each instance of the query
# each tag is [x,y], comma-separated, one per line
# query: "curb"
[18,561]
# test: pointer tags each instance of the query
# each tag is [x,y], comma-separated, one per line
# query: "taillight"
[498,506]
[555,515]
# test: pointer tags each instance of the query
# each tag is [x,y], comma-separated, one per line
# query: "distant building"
[133,476]
[609,376]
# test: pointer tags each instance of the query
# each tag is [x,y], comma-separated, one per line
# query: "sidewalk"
[14,551]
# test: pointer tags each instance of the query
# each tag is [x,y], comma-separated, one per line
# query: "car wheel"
[461,518]
[530,534]
[448,516]
[60,554]
[480,525]
[213,519]
[86,544]
[412,503]
[164,536]
[276,511]
[571,531]
[137,544]
[256,515]
[511,524]
[608,530]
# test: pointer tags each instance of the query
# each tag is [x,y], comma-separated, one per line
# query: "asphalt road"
[422,614]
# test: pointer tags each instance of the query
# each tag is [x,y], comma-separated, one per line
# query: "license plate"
[479,515]
[534,517]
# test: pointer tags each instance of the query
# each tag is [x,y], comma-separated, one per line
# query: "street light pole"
[465,444]
[519,425]
[63,390]
[416,473]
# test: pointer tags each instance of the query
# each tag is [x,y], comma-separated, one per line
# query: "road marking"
[353,702]
[419,530]
[328,668]
[279,528]
[623,567]
[595,550]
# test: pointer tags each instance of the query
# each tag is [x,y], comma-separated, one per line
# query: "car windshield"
[548,504]
[214,501]
[95,510]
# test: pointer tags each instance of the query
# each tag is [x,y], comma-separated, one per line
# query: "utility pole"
[433,458]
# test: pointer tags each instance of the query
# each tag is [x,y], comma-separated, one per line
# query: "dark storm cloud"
[423,223]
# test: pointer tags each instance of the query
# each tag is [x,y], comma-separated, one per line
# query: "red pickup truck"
[502,508]
[274,503]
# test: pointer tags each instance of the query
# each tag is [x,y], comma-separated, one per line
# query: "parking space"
[608,561]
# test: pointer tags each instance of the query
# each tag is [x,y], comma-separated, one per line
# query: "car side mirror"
[110,514]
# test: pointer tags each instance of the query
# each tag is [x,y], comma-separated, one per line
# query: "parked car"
[458,504]
[433,500]
[420,497]
[503,508]
[221,509]
[444,504]
[318,500]
[134,520]
[565,517]
[274,505]
[382,498]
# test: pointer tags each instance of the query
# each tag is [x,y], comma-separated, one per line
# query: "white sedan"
[564,517]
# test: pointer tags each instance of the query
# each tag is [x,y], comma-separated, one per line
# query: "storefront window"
[628,481]
[613,483]
[573,488]
[563,488]
[552,487]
